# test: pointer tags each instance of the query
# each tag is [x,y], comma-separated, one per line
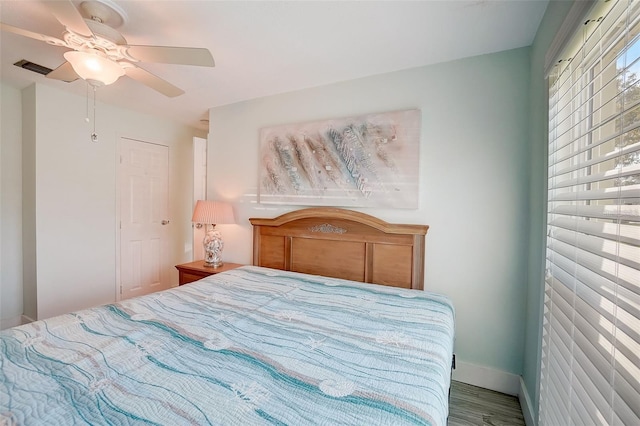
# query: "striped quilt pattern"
[249,346]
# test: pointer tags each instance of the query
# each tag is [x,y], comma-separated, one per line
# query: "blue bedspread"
[244,347]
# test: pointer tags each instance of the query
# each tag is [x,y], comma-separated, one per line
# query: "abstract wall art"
[366,161]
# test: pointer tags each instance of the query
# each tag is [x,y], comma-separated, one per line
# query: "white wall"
[473,183]
[75,196]
[10,206]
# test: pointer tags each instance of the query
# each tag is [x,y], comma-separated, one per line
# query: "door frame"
[199,192]
[118,295]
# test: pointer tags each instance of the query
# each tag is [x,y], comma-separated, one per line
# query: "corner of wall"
[11,297]
[499,381]
[526,405]
[551,23]
[29,289]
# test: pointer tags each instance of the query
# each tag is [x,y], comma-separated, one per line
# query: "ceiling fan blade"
[152,81]
[64,72]
[172,55]
[67,14]
[31,34]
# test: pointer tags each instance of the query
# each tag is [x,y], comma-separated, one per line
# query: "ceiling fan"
[100,54]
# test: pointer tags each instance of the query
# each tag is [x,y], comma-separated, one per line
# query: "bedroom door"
[144,217]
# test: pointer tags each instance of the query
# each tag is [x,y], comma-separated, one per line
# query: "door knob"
[164,222]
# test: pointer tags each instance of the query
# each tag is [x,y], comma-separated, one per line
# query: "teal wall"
[538,105]
[473,183]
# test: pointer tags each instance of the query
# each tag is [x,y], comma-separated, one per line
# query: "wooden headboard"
[341,243]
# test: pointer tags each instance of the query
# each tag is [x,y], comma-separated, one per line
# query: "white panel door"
[144,220]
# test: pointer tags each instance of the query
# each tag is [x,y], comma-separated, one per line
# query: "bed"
[343,244]
[255,345]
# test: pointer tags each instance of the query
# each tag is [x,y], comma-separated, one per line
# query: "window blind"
[590,363]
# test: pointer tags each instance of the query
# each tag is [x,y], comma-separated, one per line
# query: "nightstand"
[193,271]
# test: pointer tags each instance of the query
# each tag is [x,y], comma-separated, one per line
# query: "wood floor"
[471,405]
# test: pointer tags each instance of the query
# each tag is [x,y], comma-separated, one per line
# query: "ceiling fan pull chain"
[94,135]
[87,109]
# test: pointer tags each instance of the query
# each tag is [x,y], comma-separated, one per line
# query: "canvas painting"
[365,161]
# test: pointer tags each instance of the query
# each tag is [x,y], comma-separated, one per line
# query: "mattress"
[244,347]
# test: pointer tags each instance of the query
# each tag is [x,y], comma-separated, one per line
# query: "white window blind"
[590,372]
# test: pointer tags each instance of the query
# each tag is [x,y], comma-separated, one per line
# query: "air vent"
[33,67]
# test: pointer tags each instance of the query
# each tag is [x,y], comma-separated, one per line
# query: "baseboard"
[486,377]
[9,322]
[526,405]
[26,319]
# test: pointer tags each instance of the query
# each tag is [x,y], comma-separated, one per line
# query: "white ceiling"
[267,47]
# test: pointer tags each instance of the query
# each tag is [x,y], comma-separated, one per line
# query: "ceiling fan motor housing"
[103,11]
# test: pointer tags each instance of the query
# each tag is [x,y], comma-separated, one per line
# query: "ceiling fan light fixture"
[94,68]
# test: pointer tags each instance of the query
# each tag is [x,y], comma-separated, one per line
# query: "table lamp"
[212,213]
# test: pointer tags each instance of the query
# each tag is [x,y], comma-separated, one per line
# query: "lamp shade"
[213,212]
[95,69]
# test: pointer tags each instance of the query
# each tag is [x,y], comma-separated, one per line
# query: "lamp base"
[213,265]
[213,246]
